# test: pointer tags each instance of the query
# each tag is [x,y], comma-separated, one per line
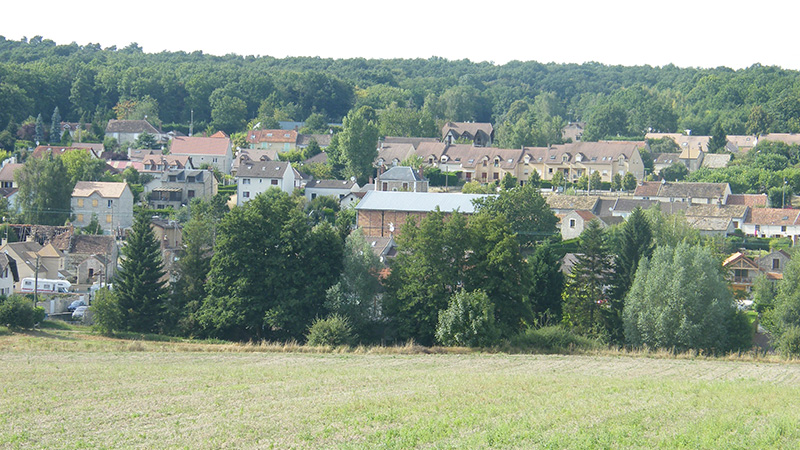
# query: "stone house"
[176,188]
[112,203]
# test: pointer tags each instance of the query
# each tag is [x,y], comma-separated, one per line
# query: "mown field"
[66,389]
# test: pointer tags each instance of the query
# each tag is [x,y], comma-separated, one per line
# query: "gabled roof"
[415,141]
[666,159]
[716,160]
[274,136]
[7,172]
[400,173]
[390,152]
[130,126]
[751,200]
[472,128]
[318,158]
[681,190]
[739,256]
[725,211]
[331,184]
[56,150]
[262,169]
[787,138]
[774,216]
[6,261]
[91,244]
[418,201]
[576,202]
[323,140]
[690,145]
[220,134]
[200,146]
[105,189]
[719,224]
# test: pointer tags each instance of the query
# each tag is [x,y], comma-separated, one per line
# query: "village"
[196,167]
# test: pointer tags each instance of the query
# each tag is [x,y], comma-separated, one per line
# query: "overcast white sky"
[686,33]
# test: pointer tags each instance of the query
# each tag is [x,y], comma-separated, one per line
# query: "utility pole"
[36,283]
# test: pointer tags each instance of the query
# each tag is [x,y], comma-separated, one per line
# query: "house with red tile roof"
[213,151]
[280,140]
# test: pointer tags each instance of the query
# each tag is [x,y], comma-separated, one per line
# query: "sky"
[697,33]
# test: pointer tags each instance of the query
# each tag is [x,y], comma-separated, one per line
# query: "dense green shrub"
[468,321]
[18,312]
[789,342]
[553,339]
[333,331]
[106,312]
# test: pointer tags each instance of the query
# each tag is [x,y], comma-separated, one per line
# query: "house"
[415,141]
[169,234]
[111,203]
[479,134]
[716,160]
[695,193]
[213,151]
[177,187]
[86,257]
[157,163]
[786,138]
[742,271]
[96,149]
[323,140]
[7,175]
[773,262]
[32,257]
[391,155]
[255,155]
[383,247]
[751,200]
[42,150]
[717,219]
[278,140]
[663,160]
[741,143]
[255,177]
[383,213]
[624,206]
[772,223]
[8,274]
[574,222]
[573,131]
[563,204]
[127,131]
[402,178]
[338,189]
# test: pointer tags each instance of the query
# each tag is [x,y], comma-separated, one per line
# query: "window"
[245,180]
[80,203]
[783,228]
[245,194]
[572,223]
[108,218]
[735,224]
[776,264]
[80,218]
[313,196]
[550,170]
[495,176]
[214,160]
[190,193]
[94,202]
[274,182]
[405,186]
[110,203]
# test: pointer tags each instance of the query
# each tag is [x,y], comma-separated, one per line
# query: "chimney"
[421,173]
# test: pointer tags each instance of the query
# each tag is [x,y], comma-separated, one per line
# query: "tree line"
[283,268]
[528,101]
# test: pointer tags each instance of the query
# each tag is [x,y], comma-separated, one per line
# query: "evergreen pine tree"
[140,286]
[39,130]
[55,127]
[586,296]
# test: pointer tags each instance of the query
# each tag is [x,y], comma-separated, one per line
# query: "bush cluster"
[18,312]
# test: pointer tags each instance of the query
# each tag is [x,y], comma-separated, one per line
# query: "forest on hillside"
[89,83]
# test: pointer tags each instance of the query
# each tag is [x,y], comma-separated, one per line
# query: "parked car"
[79,312]
[75,305]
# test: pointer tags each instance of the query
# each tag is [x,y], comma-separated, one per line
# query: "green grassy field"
[67,389]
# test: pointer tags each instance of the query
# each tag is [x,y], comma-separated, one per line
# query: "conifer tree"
[39,130]
[55,127]
[140,285]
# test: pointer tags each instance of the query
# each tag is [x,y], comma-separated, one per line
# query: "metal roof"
[418,201]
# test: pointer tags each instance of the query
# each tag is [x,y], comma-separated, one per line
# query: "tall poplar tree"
[140,284]
[55,127]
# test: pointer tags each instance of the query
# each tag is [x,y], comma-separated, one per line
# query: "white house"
[338,189]
[255,177]
[8,274]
